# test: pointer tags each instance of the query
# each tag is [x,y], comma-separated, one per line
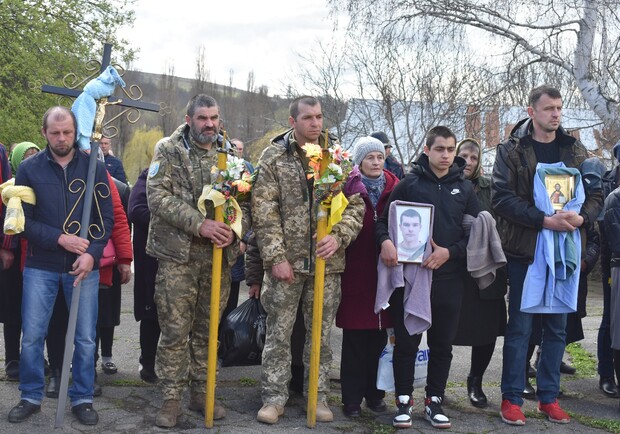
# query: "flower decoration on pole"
[328,184]
[232,185]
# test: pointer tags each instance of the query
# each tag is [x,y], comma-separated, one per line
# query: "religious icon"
[414,231]
[561,189]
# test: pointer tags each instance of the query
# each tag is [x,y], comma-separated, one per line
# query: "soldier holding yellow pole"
[284,212]
[182,238]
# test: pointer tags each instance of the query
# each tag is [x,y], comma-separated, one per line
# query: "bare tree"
[202,72]
[169,109]
[578,39]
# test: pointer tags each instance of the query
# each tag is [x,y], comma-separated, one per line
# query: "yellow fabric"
[218,199]
[337,206]
[12,197]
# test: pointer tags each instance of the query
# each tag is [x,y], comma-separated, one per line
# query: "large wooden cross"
[85,221]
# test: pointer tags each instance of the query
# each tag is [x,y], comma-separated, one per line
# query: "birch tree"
[575,38]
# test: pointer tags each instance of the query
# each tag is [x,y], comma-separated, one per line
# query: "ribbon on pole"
[214,309]
[218,199]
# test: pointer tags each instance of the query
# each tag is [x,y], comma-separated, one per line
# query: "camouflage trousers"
[280,300]
[183,298]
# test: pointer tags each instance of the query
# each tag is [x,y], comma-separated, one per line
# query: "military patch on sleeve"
[153,169]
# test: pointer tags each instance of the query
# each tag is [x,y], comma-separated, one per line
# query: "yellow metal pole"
[317,306]
[214,309]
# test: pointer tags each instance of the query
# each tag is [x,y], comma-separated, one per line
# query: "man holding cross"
[182,240]
[58,257]
[283,210]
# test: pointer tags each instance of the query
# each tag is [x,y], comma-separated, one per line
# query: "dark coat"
[519,221]
[145,265]
[359,280]
[115,167]
[481,320]
[59,209]
[452,196]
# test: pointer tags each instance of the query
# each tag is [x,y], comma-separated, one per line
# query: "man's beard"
[202,138]
[60,153]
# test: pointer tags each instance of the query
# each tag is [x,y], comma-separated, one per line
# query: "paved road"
[129,406]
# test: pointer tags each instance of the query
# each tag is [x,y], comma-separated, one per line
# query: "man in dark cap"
[391,163]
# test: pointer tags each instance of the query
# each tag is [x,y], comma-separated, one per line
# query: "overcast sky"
[242,35]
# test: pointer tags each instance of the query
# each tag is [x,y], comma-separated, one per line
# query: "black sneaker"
[434,413]
[85,413]
[403,414]
[23,411]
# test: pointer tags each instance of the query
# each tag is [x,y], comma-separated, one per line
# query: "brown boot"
[170,411]
[197,402]
[269,413]
[323,412]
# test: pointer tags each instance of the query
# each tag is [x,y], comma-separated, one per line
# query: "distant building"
[489,125]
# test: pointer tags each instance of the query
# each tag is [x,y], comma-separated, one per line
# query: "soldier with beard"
[182,240]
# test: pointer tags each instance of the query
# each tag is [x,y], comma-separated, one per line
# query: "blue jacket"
[552,280]
[115,167]
[58,210]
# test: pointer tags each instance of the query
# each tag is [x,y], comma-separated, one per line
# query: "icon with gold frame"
[561,189]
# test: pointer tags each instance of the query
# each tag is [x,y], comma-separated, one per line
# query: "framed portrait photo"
[561,189]
[414,231]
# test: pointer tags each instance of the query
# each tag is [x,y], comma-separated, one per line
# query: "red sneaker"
[554,412]
[511,413]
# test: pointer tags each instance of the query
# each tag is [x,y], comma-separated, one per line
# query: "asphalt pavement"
[128,405]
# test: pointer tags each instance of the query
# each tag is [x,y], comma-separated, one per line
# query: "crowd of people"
[437,250]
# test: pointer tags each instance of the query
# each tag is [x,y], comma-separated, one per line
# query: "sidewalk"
[129,405]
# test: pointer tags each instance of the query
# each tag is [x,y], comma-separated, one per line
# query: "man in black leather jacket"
[540,138]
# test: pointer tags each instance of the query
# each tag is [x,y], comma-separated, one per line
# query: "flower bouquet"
[231,186]
[330,182]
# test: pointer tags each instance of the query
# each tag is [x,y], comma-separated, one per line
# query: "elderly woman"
[483,313]
[364,335]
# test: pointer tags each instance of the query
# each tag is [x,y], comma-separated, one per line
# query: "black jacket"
[612,226]
[58,209]
[518,219]
[453,197]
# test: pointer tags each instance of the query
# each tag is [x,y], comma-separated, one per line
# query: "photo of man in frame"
[411,244]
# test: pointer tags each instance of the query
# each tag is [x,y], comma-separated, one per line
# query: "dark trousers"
[105,338]
[149,337]
[446,296]
[480,359]
[358,365]
[12,337]
[604,351]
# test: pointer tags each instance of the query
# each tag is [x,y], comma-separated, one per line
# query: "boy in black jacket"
[437,179]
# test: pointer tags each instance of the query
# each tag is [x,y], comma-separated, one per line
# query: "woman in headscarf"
[364,335]
[483,313]
[11,292]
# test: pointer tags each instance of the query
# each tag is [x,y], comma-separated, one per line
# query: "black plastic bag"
[242,335]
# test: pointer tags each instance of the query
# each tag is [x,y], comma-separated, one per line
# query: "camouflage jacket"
[284,212]
[177,174]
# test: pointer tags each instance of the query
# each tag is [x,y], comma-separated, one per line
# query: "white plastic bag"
[385,372]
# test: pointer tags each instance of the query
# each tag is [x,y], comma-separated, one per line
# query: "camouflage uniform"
[284,221]
[177,175]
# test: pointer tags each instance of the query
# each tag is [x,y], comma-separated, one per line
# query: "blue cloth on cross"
[85,106]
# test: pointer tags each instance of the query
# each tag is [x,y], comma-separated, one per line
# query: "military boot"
[197,403]
[170,411]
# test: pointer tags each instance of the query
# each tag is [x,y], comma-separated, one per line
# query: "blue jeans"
[40,290]
[516,341]
[604,351]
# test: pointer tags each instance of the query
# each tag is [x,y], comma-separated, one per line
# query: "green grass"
[247,382]
[138,383]
[610,425]
[584,362]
